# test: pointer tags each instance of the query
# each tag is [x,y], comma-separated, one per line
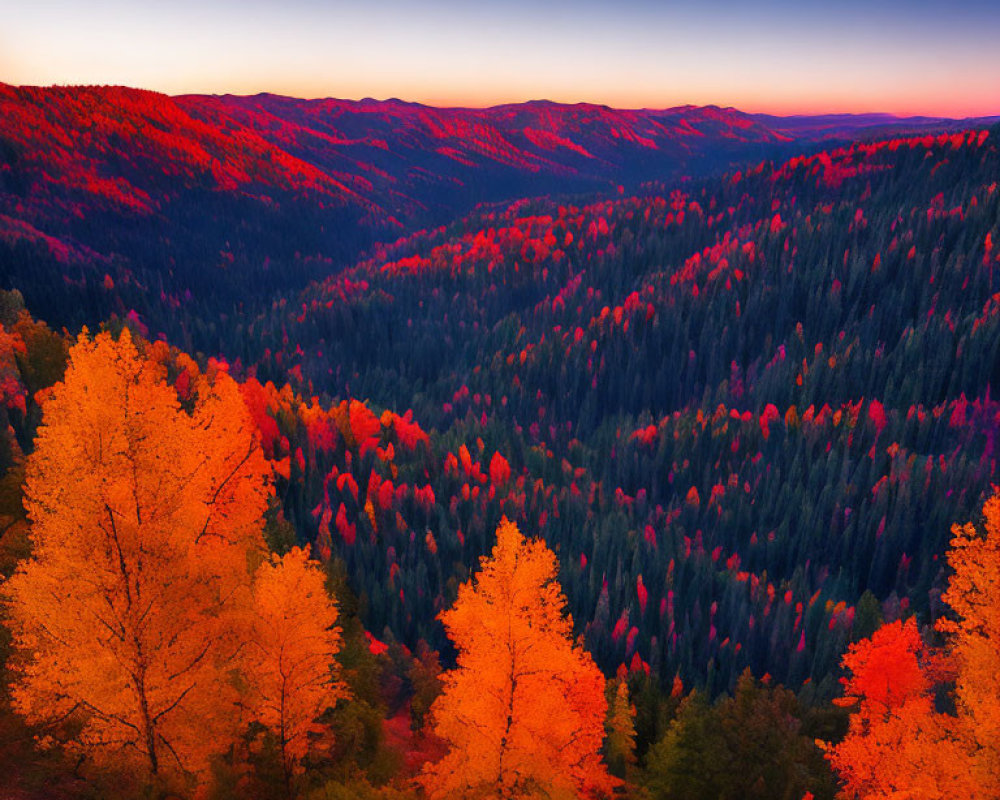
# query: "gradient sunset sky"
[780,56]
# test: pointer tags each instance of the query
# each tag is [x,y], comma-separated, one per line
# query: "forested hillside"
[746,413]
[741,415]
[114,199]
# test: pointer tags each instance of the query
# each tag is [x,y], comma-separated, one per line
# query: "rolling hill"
[746,413]
[115,199]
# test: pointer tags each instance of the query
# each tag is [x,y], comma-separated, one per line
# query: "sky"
[777,56]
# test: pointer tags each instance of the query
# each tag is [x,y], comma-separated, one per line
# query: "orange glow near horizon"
[777,59]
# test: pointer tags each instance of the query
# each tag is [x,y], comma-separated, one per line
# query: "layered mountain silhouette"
[114,198]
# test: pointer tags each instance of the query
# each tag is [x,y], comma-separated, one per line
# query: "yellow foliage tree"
[974,639]
[619,745]
[144,522]
[523,712]
[290,655]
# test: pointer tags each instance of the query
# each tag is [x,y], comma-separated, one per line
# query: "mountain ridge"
[280,190]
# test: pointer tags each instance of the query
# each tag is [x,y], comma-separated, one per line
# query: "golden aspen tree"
[145,520]
[290,666]
[974,640]
[523,712]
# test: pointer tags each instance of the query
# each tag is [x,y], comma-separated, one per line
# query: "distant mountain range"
[864,126]
[112,198]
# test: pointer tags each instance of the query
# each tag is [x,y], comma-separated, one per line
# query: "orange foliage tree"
[898,744]
[290,655]
[974,639]
[523,711]
[144,520]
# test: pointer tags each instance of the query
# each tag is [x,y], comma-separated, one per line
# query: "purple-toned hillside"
[113,198]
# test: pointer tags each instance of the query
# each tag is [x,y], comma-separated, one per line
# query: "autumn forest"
[380,451]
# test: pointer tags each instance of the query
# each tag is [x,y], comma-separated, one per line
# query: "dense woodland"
[727,425]
[208,205]
[115,199]
[735,413]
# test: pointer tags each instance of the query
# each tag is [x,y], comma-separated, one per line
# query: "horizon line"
[462,106]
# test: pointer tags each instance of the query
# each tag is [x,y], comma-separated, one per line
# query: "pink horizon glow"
[774,56]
